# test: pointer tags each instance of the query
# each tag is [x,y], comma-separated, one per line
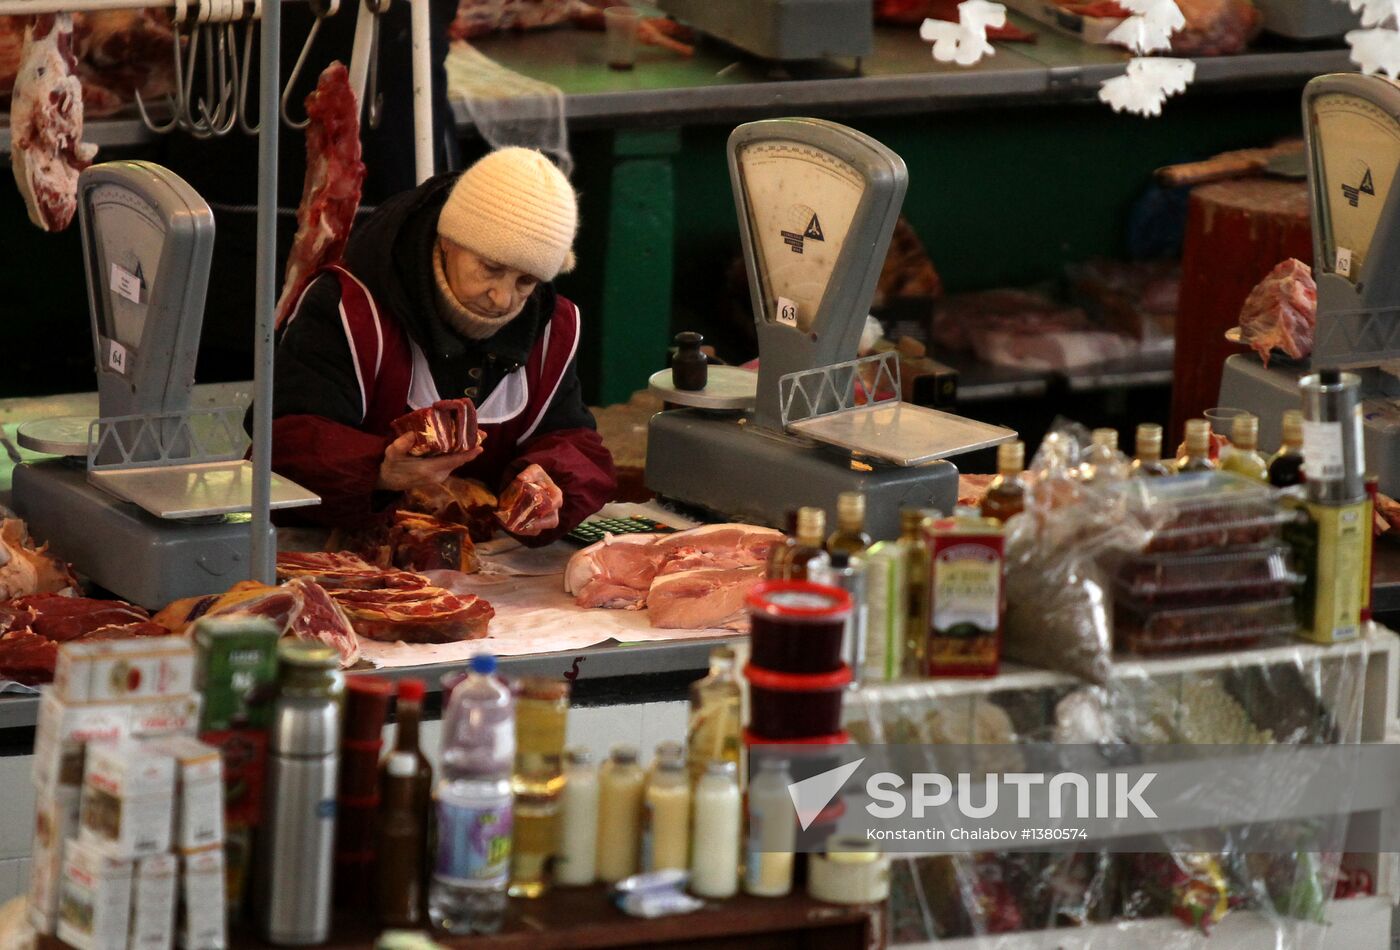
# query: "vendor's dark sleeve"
[316,408]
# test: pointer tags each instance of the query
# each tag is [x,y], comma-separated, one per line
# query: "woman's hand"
[401,472]
[530,504]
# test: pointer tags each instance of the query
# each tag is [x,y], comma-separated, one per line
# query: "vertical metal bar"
[422,90]
[264,552]
[359,53]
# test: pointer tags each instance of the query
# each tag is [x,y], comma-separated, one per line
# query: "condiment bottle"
[849,538]
[810,547]
[714,864]
[1006,496]
[1103,461]
[886,611]
[1148,463]
[1286,467]
[689,367]
[300,823]
[772,834]
[780,555]
[619,814]
[1197,457]
[916,577]
[408,718]
[399,850]
[847,572]
[576,862]
[1242,457]
[715,724]
[666,813]
[541,715]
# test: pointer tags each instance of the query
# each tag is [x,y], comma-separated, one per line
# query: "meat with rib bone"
[446,427]
[46,123]
[530,497]
[425,615]
[31,628]
[340,570]
[692,579]
[1280,313]
[331,193]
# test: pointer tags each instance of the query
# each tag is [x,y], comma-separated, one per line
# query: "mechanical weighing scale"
[151,499]
[783,30]
[817,203]
[1352,128]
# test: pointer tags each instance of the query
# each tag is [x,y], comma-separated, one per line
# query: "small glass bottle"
[849,538]
[576,860]
[780,555]
[1006,495]
[620,784]
[715,724]
[1103,462]
[666,814]
[772,836]
[1242,457]
[916,579]
[541,714]
[811,544]
[1148,463]
[714,866]
[1286,467]
[1197,457]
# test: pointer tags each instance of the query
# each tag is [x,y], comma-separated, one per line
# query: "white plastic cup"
[621,23]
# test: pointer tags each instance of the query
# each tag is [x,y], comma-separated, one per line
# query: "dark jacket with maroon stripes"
[366,344]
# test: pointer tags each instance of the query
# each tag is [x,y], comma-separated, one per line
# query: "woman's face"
[484,287]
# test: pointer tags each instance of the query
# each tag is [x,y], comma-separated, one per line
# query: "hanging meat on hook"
[331,194]
[47,151]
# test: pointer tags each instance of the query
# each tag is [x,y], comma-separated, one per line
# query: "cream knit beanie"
[515,208]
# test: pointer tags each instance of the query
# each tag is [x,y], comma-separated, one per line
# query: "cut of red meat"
[457,501]
[46,123]
[343,570]
[444,428]
[426,615]
[702,599]
[423,543]
[28,658]
[34,626]
[25,569]
[319,618]
[299,608]
[63,618]
[11,51]
[1280,313]
[331,193]
[531,496]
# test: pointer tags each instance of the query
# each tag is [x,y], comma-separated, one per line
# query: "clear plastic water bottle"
[472,872]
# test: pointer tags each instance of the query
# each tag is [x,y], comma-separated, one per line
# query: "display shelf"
[717,85]
[1361,923]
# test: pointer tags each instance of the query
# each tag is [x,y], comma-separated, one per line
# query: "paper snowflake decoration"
[1376,12]
[1147,84]
[964,42]
[1376,51]
[1151,26]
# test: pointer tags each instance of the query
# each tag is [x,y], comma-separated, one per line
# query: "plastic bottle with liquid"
[666,812]
[541,714]
[1286,467]
[620,787]
[1242,457]
[714,864]
[1197,448]
[576,862]
[772,836]
[1006,495]
[715,729]
[1148,463]
[474,806]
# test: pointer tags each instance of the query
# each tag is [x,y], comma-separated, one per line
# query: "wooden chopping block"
[1236,232]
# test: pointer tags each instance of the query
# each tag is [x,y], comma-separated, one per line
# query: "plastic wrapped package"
[1201,511]
[1168,897]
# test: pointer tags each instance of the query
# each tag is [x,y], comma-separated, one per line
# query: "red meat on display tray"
[425,615]
[341,570]
[46,123]
[331,193]
[457,501]
[31,628]
[1280,313]
[446,427]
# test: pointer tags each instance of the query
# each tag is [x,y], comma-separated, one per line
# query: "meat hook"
[245,69]
[321,9]
[175,100]
[222,120]
[372,94]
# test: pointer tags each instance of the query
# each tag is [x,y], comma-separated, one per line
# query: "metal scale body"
[817,204]
[159,509]
[783,30]
[1352,126]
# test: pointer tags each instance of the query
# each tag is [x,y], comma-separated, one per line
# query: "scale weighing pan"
[901,433]
[726,388]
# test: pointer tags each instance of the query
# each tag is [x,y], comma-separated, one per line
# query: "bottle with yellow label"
[965,596]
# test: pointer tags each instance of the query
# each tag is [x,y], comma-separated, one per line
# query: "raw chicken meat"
[446,427]
[693,579]
[331,193]
[1280,313]
[425,615]
[46,123]
[25,569]
[298,608]
[531,497]
[31,628]
[457,501]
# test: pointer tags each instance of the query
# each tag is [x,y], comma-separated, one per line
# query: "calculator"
[596,529]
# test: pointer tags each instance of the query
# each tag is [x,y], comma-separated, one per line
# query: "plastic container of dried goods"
[1140,629]
[1261,572]
[792,705]
[1199,511]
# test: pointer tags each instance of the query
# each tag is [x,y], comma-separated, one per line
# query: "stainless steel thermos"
[299,826]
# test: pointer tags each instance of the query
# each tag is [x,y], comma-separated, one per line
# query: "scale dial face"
[801,201]
[1355,158]
[129,238]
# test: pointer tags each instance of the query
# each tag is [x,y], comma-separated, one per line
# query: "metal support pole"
[422,90]
[264,550]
